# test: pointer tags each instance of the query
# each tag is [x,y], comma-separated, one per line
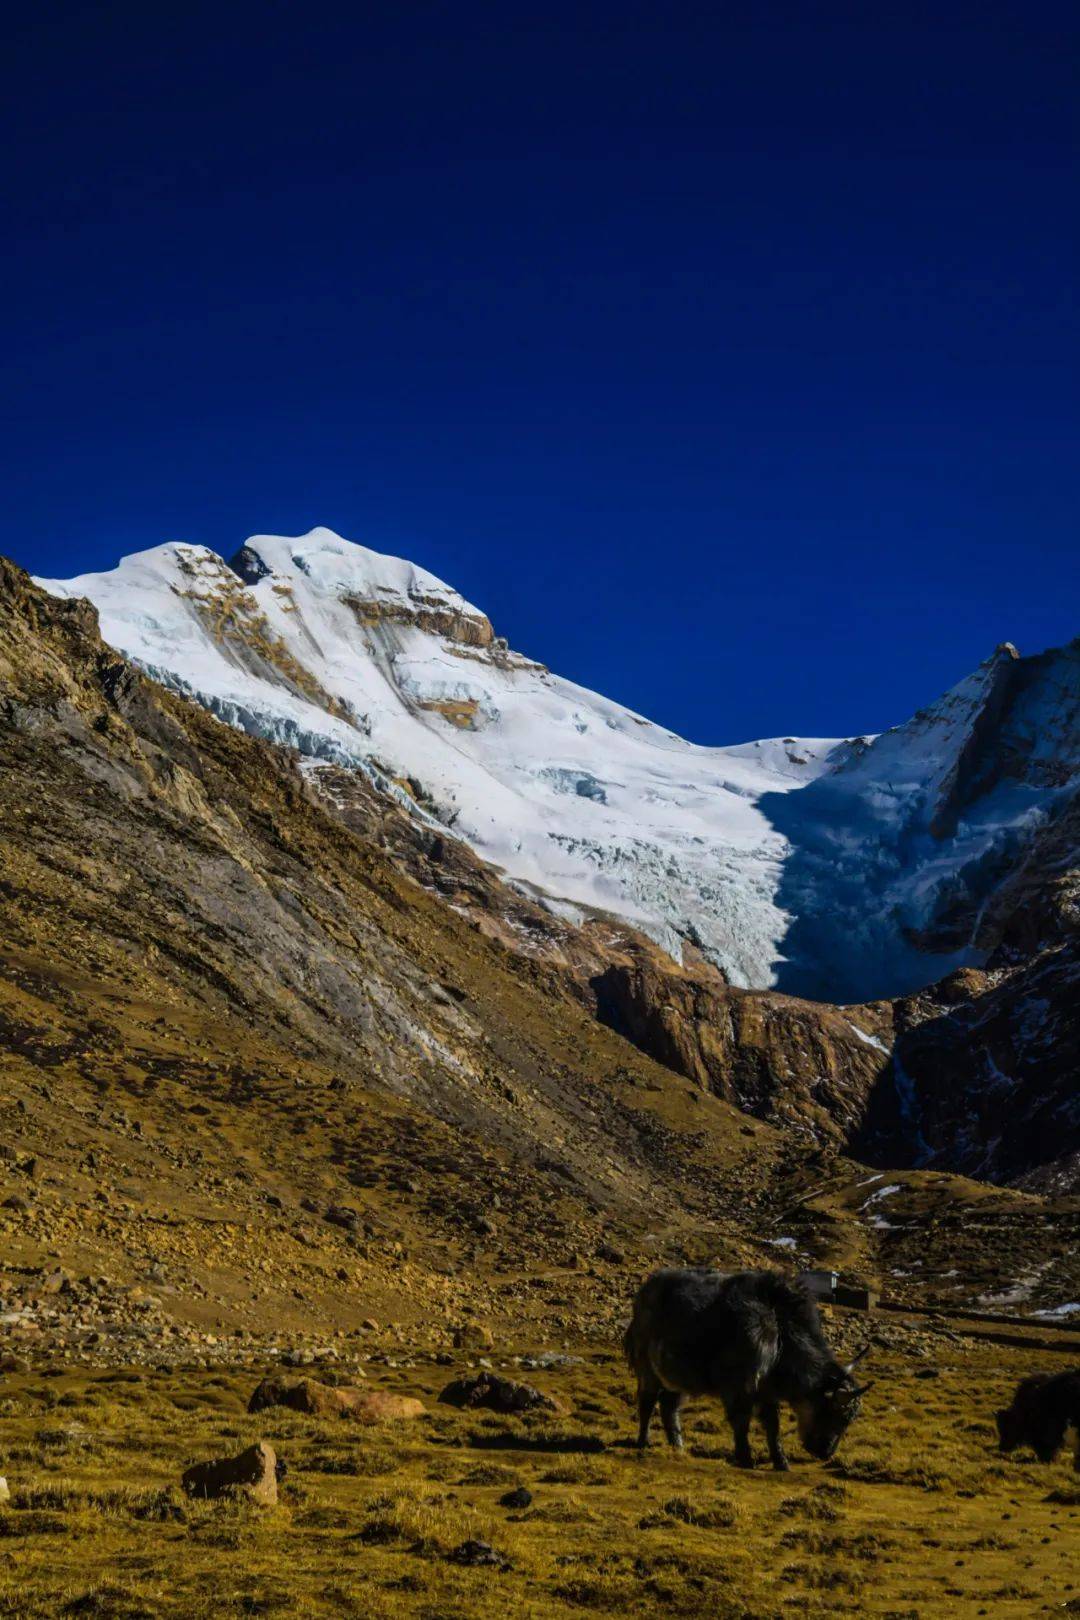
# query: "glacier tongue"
[807,863]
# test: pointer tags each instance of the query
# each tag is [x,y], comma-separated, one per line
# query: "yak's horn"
[857,1357]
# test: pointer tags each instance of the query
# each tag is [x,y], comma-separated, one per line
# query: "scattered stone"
[254,1474]
[323,1400]
[477,1553]
[498,1394]
[520,1498]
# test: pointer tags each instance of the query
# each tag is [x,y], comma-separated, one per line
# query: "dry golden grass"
[917,1518]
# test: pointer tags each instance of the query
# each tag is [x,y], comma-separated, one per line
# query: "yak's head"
[824,1416]
[1010,1428]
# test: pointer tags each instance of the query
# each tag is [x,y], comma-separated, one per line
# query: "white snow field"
[803,863]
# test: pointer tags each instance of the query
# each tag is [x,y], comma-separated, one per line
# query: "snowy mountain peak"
[808,863]
[341,568]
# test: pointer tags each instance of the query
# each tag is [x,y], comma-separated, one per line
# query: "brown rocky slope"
[258,1079]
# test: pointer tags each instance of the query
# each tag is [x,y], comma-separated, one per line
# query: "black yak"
[1043,1407]
[750,1337]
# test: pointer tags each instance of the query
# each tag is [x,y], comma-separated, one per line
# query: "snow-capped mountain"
[814,864]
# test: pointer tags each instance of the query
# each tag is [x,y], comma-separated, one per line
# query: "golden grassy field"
[916,1517]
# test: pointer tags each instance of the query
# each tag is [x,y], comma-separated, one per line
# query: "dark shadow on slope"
[846,941]
[989,1083]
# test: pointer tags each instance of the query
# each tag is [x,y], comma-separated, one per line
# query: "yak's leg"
[670,1402]
[740,1409]
[769,1413]
[647,1396]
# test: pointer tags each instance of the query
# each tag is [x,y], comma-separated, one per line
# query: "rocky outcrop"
[801,1063]
[327,1400]
[253,1475]
[992,1077]
[426,613]
[496,1394]
[986,1061]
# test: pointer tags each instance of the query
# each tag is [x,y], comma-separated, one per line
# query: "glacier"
[816,865]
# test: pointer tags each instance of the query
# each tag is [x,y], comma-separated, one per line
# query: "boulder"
[5,1491]
[323,1400]
[473,1336]
[497,1394]
[254,1474]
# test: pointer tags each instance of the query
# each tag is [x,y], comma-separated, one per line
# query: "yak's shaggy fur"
[752,1338]
[1042,1409]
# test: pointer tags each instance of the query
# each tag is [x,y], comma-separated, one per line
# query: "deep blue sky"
[727,354]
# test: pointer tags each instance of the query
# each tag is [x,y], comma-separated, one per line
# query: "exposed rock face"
[986,1064]
[993,1078]
[426,613]
[802,1063]
[254,1474]
[248,566]
[980,759]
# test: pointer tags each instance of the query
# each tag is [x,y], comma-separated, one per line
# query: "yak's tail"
[632,1346]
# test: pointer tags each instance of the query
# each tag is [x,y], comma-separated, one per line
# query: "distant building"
[830,1289]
